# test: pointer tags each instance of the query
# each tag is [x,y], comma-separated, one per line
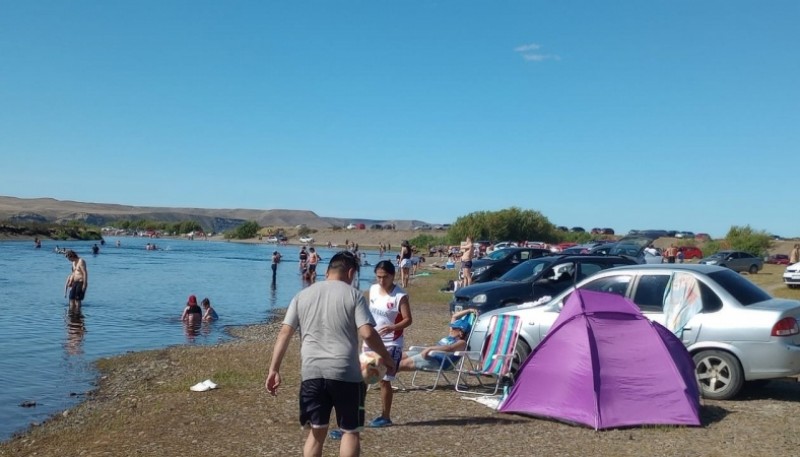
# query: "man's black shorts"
[319,396]
[76,292]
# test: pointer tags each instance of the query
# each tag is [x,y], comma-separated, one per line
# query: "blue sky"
[680,115]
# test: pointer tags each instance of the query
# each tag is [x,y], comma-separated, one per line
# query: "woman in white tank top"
[389,306]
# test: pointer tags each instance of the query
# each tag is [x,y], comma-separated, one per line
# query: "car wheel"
[753,269]
[719,374]
[521,354]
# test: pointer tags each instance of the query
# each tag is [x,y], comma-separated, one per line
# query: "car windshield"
[719,255]
[498,255]
[625,249]
[744,291]
[526,271]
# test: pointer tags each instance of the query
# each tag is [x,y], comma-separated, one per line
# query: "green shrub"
[245,231]
[424,241]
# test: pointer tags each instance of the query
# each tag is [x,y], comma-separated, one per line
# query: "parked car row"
[671,234]
[734,330]
[432,227]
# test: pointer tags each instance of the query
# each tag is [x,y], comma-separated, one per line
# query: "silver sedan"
[732,328]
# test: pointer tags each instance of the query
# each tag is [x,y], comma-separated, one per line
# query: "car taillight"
[786,327]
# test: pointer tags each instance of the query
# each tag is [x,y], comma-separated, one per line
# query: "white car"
[737,333]
[504,244]
[351,227]
[306,239]
[791,277]
[272,239]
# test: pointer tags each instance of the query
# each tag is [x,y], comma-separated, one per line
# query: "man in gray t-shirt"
[331,315]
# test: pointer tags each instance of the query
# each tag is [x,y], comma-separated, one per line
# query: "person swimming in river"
[208,312]
[192,314]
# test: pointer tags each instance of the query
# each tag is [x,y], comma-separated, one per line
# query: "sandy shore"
[143,407]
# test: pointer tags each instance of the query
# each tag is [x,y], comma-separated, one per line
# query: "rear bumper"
[770,360]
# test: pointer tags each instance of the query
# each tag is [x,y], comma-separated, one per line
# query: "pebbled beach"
[143,406]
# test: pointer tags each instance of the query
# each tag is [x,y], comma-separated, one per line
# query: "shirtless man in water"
[77,282]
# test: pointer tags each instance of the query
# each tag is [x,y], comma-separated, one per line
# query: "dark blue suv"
[533,279]
[498,262]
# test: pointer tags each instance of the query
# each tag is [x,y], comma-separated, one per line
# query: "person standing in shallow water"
[276,259]
[405,263]
[77,282]
[313,261]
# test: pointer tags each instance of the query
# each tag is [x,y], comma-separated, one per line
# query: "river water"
[134,302]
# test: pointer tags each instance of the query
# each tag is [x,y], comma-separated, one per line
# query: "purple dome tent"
[604,365]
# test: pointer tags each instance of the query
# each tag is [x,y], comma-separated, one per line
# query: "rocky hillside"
[48,210]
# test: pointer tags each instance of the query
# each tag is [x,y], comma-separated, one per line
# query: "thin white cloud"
[528,47]
[529,53]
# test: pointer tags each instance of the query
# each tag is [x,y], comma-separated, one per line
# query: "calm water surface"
[134,302]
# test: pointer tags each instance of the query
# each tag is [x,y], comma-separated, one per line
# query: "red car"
[691,252]
[778,259]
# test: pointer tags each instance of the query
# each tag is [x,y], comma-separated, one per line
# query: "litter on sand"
[490,401]
[203,386]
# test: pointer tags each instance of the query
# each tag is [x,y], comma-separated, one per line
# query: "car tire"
[719,374]
[753,269]
[521,353]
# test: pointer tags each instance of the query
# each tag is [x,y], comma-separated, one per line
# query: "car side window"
[524,255]
[587,269]
[649,295]
[711,301]
[611,284]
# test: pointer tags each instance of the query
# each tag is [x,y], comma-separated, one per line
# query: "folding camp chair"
[494,359]
[450,361]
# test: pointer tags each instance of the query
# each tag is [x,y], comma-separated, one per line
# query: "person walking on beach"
[331,316]
[77,282]
[466,261]
[389,306]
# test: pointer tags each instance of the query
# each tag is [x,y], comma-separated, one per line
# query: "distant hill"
[48,210]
